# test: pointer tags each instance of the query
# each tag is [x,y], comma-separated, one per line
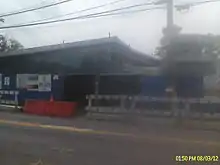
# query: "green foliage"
[7,45]
[189,44]
[188,53]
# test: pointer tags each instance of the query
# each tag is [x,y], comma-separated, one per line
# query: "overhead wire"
[179,7]
[92,15]
[98,14]
[34,8]
[203,2]
[125,12]
[192,4]
[80,11]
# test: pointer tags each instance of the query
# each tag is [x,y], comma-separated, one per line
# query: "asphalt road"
[38,145]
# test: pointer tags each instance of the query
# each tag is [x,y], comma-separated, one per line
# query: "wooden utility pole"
[170,31]
[169,4]
[169,13]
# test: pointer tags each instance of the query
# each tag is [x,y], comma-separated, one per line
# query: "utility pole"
[168,31]
[171,30]
[169,4]
[169,16]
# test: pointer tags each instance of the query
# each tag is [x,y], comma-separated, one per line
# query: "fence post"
[89,102]
[97,79]
[187,107]
[187,114]
[122,104]
[133,103]
[16,100]
[130,106]
[201,112]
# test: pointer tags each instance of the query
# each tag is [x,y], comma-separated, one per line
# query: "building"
[105,55]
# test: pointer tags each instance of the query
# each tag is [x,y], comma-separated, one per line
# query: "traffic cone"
[51,98]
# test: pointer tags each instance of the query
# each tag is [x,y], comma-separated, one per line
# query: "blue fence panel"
[8,82]
[29,95]
[154,86]
[8,97]
[56,91]
[9,86]
[58,87]
[190,86]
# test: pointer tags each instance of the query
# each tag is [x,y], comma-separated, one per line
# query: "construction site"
[101,101]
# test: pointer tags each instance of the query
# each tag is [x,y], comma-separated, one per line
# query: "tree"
[189,44]
[169,34]
[3,43]
[192,54]
[14,45]
[9,44]
[198,51]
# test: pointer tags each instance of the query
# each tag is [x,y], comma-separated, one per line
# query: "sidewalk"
[8,108]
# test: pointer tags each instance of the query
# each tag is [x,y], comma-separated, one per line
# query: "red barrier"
[50,108]
[35,107]
[62,109]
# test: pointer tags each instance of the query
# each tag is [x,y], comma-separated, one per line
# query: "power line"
[80,11]
[88,9]
[74,18]
[99,14]
[34,8]
[125,12]
[203,2]
[188,5]
[95,15]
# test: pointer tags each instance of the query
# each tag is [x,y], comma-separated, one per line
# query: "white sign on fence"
[34,82]
[44,83]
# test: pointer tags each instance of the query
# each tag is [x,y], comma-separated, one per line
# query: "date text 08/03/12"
[198,158]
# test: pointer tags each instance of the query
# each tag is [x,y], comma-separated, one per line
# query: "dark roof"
[79,44]
[105,55]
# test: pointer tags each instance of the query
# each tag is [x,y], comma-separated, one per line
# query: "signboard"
[44,83]
[27,81]
[21,81]
[34,82]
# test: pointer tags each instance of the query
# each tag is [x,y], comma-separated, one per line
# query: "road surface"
[24,141]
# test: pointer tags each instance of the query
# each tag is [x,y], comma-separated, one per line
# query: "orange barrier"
[35,107]
[62,109]
[50,108]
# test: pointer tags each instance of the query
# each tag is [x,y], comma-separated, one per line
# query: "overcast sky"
[141,30]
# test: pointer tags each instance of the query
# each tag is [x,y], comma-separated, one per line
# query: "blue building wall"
[154,86]
[186,86]
[9,90]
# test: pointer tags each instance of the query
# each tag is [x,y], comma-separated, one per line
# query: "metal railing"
[156,106]
[9,104]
